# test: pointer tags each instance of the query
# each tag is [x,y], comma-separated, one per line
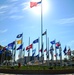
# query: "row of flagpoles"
[49,51]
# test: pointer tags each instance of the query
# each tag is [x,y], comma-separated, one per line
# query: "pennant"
[65,50]
[19,42]
[52,42]
[33,4]
[20,47]
[29,47]
[19,35]
[36,41]
[44,33]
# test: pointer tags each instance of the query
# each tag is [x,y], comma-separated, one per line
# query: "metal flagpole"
[38,47]
[48,52]
[60,49]
[46,46]
[56,54]
[41,30]
[29,51]
[15,52]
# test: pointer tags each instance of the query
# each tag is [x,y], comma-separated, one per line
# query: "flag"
[23,49]
[44,33]
[57,47]
[36,41]
[19,35]
[42,48]
[56,54]
[33,52]
[69,52]
[52,42]
[20,47]
[33,4]
[58,44]
[19,42]
[11,45]
[29,47]
[65,50]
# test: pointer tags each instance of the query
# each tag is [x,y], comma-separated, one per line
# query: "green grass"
[36,67]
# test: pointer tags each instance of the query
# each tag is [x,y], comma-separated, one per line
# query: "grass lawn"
[37,67]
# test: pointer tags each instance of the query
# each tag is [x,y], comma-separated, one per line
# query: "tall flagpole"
[46,45]
[29,51]
[41,30]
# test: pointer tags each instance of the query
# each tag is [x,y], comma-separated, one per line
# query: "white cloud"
[16,17]
[3,7]
[2,12]
[65,20]
[14,10]
[3,31]
[25,5]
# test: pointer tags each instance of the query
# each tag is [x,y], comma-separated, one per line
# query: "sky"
[16,17]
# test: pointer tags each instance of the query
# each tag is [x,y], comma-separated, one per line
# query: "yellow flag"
[19,42]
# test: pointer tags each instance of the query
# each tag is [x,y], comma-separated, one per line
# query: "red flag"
[32,4]
[29,47]
[69,52]
[57,44]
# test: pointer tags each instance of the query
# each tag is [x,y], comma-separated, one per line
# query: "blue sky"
[15,19]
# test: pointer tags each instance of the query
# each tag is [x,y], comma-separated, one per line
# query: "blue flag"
[36,41]
[11,45]
[20,47]
[33,52]
[52,42]
[19,35]
[65,50]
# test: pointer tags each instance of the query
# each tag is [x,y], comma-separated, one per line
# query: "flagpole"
[48,51]
[29,51]
[60,49]
[15,52]
[41,30]
[38,47]
[56,54]
[46,47]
